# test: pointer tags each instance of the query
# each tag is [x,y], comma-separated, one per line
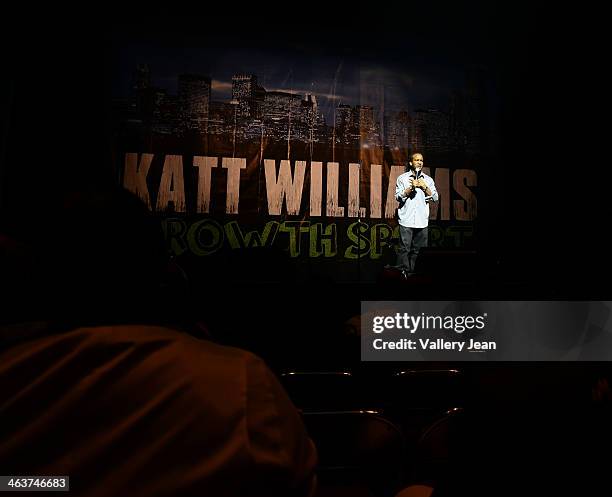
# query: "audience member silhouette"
[96,384]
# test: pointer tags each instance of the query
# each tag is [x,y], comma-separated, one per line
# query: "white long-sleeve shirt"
[413,211]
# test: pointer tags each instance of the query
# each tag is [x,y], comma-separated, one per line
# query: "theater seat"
[322,390]
[360,453]
[359,421]
[428,388]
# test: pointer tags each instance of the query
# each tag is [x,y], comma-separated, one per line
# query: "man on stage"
[414,190]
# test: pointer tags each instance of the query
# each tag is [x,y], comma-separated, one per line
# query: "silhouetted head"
[99,256]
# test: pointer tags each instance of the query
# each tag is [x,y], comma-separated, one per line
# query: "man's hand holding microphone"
[417,183]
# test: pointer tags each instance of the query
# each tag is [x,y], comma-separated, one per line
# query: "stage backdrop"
[268,164]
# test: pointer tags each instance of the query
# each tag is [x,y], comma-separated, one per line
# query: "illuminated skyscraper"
[244,88]
[345,123]
[397,130]
[194,101]
[430,131]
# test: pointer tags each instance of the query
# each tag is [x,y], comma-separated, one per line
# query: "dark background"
[547,207]
[543,216]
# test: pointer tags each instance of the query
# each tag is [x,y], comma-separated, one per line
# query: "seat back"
[322,391]
[428,388]
[358,449]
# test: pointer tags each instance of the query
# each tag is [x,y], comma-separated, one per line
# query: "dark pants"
[411,241]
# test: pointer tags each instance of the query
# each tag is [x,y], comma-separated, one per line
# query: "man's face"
[417,162]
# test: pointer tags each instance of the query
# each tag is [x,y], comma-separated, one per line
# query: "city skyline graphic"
[246,110]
